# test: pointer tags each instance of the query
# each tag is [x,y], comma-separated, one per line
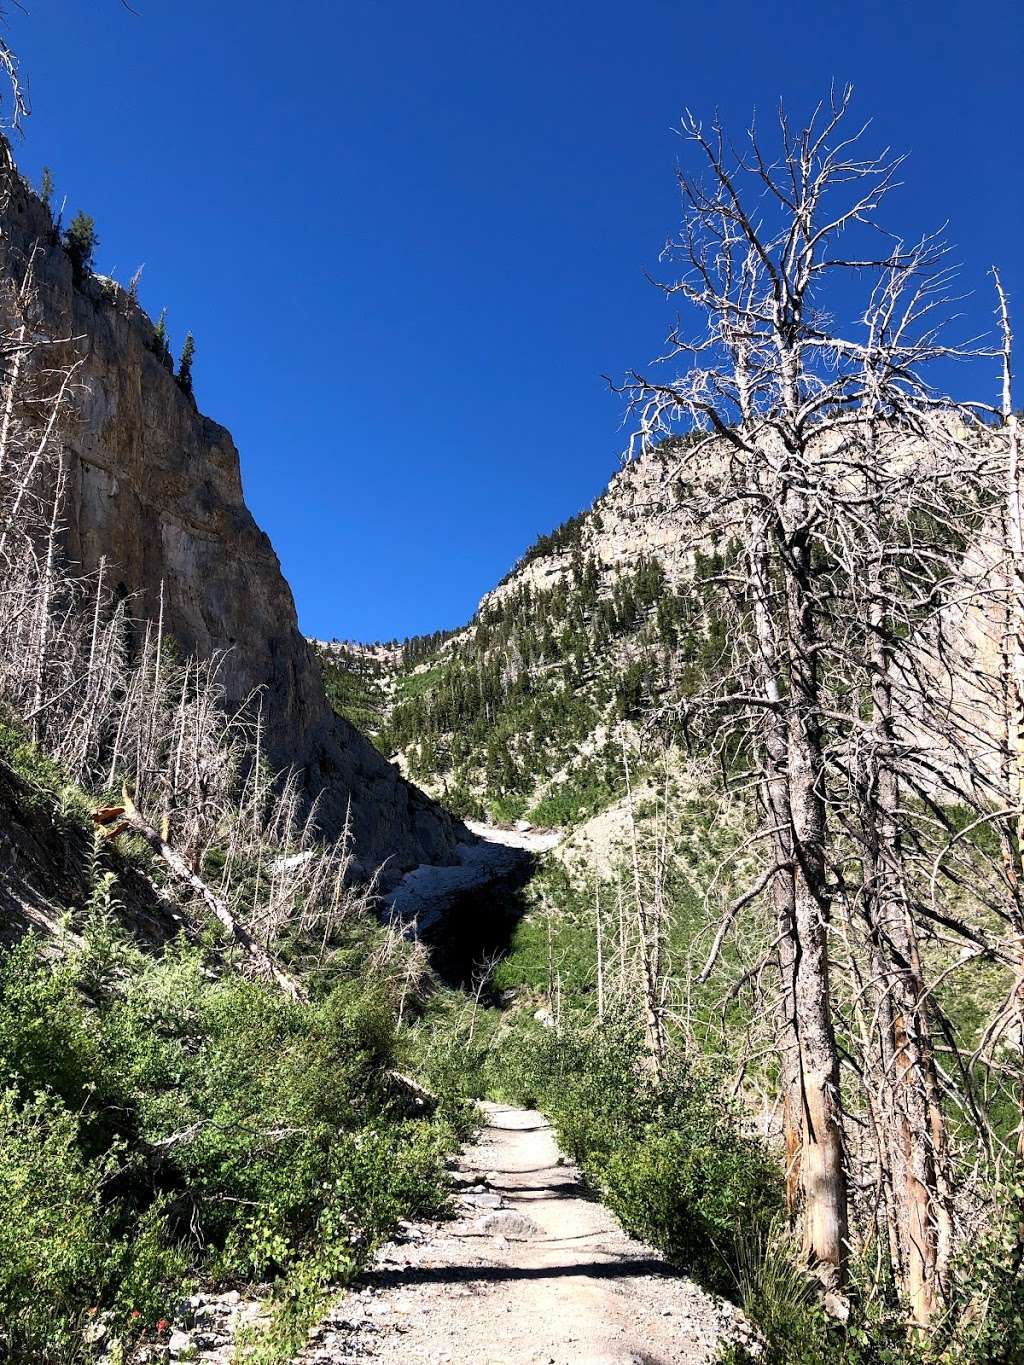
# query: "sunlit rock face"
[155,490]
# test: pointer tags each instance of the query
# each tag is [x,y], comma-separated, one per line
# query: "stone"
[483,1200]
[507,1223]
[837,1306]
[155,489]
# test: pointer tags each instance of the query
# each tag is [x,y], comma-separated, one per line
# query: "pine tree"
[160,344]
[46,187]
[80,242]
[188,351]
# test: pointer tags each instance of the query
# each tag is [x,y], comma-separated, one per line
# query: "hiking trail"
[532,1271]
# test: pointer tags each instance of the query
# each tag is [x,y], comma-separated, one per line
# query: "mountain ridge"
[521,712]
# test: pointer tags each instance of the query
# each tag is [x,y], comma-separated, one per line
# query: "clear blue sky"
[410,237]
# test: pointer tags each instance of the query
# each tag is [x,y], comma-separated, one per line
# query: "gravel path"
[532,1270]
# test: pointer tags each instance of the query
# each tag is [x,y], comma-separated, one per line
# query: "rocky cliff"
[522,712]
[637,518]
[155,487]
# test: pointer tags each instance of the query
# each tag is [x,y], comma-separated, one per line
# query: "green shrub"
[48,1041]
[992,1270]
[43,777]
[163,1121]
[582,794]
[55,1231]
[692,1186]
[463,803]
[506,808]
[65,1244]
[525,1065]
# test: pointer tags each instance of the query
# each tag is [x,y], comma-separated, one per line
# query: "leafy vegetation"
[162,1122]
[165,1121]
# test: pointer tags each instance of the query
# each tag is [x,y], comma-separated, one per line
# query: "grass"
[589,789]
[418,684]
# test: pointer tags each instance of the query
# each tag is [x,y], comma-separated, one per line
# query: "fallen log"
[418,1099]
[127,817]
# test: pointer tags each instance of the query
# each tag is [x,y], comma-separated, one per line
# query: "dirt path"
[532,1270]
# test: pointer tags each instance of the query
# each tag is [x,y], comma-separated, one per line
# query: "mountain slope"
[155,495]
[522,712]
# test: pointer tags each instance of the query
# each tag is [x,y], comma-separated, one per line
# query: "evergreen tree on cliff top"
[188,351]
[80,242]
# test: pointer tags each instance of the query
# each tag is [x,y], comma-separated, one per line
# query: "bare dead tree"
[839,488]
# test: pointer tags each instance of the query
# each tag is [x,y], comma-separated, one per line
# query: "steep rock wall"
[155,487]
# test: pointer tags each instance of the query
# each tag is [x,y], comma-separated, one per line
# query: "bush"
[694,1186]
[65,1244]
[162,1121]
[47,1040]
[463,803]
[587,790]
[54,1228]
[992,1332]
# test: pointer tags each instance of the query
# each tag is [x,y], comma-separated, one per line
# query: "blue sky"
[410,237]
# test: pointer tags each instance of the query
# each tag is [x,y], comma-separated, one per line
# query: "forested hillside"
[604,627]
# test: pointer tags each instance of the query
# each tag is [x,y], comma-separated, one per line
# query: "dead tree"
[777,401]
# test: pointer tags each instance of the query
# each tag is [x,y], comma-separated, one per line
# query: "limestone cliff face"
[155,487]
[638,517]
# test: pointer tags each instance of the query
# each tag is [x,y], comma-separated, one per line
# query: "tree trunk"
[823,1170]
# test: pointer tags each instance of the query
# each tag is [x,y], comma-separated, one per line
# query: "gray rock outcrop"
[155,487]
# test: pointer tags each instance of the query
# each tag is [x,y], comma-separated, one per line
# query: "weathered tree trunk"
[1013,655]
[649,934]
[823,1168]
[773,760]
[774,800]
[912,1128]
[45,603]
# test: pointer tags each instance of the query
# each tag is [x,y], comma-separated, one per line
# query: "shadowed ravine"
[467,913]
